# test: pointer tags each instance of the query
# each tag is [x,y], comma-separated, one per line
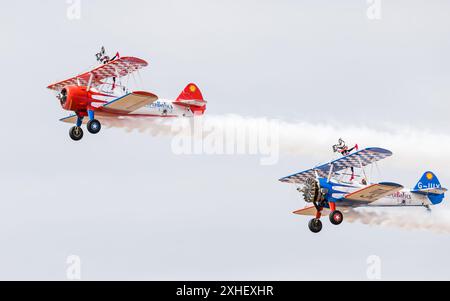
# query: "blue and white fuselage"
[338,192]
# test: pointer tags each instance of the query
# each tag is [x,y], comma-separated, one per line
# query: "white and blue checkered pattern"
[363,157]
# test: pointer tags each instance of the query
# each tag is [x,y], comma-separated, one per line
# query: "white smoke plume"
[314,140]
[153,126]
[437,221]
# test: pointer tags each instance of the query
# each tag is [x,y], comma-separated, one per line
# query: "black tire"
[76,133]
[336,217]
[94,126]
[315,225]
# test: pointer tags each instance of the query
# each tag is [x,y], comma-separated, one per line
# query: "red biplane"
[99,94]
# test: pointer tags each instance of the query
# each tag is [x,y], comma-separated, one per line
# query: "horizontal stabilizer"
[191,96]
[439,190]
[192,102]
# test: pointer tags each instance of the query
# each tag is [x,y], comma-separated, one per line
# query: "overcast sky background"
[131,209]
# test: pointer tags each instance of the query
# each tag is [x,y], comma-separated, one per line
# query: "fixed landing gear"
[76,133]
[336,217]
[93,126]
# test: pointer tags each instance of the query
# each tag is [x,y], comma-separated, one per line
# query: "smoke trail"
[437,221]
[153,126]
[315,139]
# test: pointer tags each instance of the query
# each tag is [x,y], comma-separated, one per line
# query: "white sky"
[133,210]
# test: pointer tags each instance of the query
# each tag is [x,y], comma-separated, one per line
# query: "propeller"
[311,190]
[313,193]
[62,96]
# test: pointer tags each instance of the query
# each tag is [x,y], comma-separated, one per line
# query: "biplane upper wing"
[373,192]
[360,158]
[302,176]
[116,68]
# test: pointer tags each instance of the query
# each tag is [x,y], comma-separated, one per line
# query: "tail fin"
[192,97]
[429,185]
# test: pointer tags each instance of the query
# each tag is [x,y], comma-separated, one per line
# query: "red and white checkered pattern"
[117,68]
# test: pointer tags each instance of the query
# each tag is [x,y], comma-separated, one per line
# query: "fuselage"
[338,189]
[164,108]
[159,108]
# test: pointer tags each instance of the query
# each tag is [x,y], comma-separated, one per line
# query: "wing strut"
[364,171]
[91,77]
[330,172]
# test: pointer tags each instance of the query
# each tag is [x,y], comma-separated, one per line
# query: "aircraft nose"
[62,96]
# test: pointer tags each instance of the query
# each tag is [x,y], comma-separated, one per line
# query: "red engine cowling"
[75,98]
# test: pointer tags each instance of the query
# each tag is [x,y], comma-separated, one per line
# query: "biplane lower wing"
[120,106]
[129,103]
[360,158]
[373,192]
[311,211]
[70,119]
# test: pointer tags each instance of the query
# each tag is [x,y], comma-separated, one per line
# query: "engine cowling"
[74,98]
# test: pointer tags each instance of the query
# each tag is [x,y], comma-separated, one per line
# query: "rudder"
[192,97]
[430,186]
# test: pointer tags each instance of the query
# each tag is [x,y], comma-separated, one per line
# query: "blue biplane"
[325,188]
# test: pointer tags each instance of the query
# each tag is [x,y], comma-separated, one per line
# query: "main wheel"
[76,133]
[336,217]
[94,126]
[315,225]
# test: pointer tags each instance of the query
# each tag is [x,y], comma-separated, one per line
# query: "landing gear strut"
[93,124]
[336,216]
[315,225]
